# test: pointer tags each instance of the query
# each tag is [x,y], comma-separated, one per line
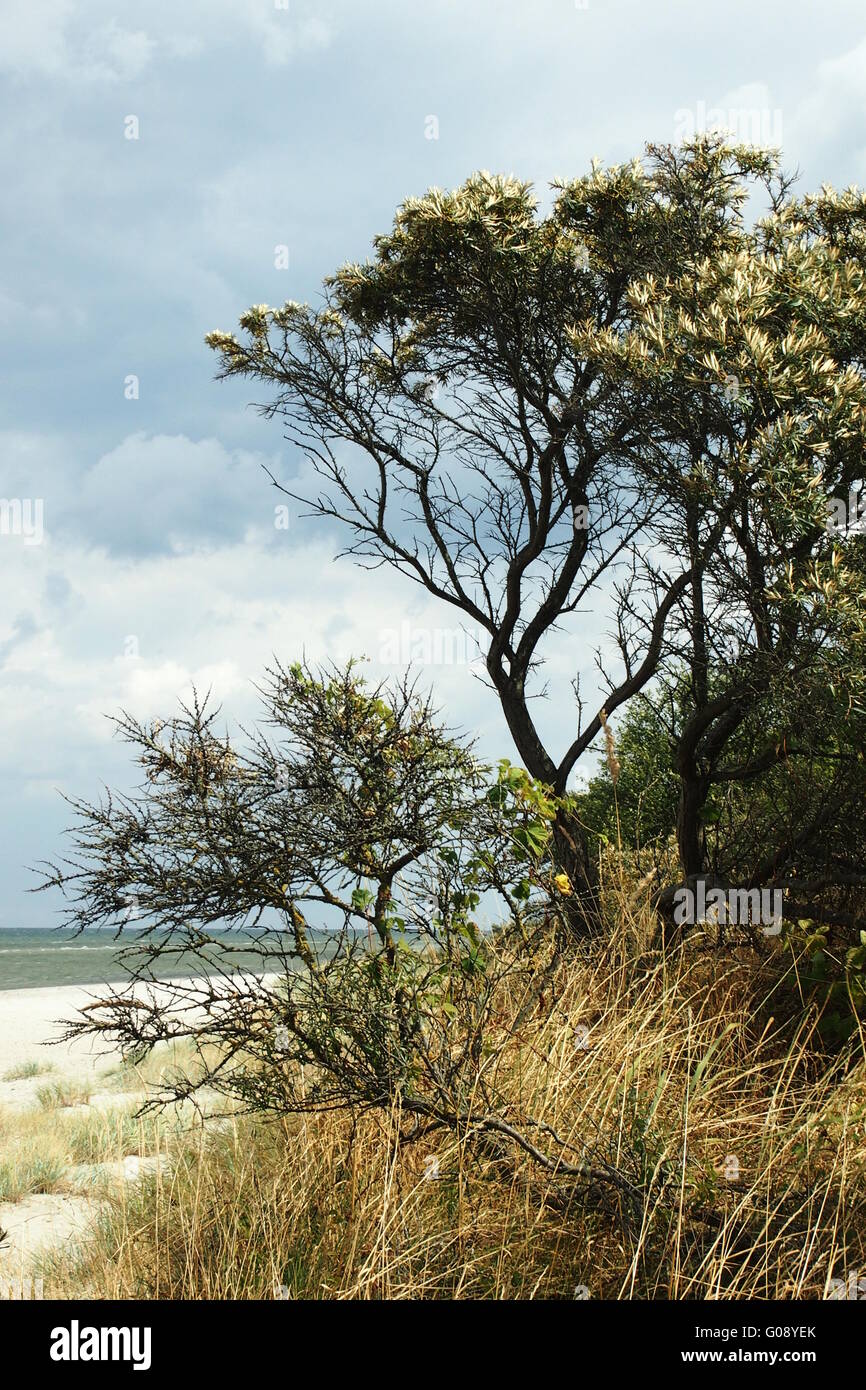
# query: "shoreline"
[32,1020]
[31,1024]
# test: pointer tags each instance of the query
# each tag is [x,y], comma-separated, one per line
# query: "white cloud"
[34,38]
[149,494]
[168,492]
[280,37]
[54,38]
[50,39]
[139,636]
[117,54]
[832,111]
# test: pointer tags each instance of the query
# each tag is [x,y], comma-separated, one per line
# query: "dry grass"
[62,1095]
[735,1145]
[65,1145]
[40,1153]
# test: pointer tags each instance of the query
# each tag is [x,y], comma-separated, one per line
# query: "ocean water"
[30,959]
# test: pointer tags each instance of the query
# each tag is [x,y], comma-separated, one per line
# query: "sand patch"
[37,1223]
[133,1167]
[31,1023]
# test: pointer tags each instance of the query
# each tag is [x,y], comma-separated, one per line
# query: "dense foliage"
[642,400]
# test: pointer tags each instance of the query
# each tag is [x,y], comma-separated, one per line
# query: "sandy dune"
[28,1024]
[31,1022]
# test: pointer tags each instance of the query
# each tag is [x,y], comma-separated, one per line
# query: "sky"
[153,157]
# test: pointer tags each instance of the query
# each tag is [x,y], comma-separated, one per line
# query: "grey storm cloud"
[167,493]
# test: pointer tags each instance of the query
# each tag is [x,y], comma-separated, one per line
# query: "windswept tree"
[624,400]
[360,847]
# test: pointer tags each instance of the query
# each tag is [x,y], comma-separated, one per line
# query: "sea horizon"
[46,957]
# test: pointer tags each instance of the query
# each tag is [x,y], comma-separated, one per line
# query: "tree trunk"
[581,910]
[580,917]
[689,822]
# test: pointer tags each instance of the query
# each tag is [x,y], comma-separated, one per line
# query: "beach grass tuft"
[25,1070]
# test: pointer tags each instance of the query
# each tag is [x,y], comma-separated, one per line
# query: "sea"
[34,958]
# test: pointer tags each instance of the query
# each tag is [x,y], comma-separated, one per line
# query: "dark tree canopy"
[642,399]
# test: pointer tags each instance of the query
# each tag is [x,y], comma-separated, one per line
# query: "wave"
[50,950]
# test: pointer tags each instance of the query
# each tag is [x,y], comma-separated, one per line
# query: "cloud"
[49,39]
[150,494]
[23,628]
[118,55]
[34,39]
[831,114]
[55,38]
[140,635]
[280,38]
[167,494]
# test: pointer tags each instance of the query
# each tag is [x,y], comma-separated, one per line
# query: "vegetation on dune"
[737,1144]
[78,1151]
[24,1071]
[433,1108]
[508,1075]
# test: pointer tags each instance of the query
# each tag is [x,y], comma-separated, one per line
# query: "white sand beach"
[31,1020]
[31,1023]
